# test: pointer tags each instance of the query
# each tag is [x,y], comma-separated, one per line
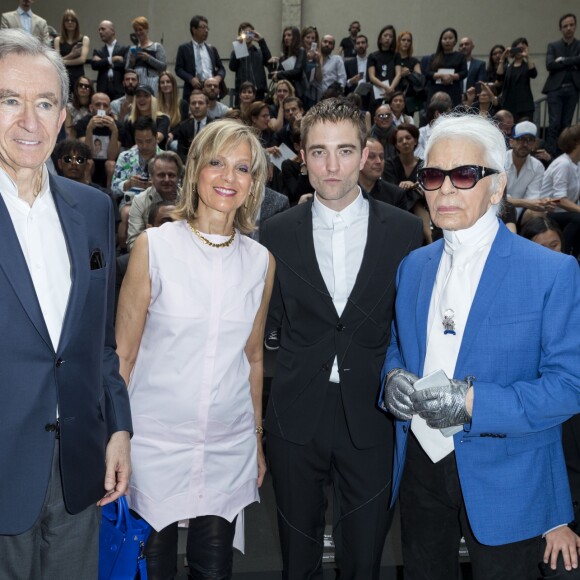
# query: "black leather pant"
[209,552]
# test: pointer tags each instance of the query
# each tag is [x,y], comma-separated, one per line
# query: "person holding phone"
[516,95]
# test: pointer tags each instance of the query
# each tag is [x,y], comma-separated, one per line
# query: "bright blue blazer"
[522,344]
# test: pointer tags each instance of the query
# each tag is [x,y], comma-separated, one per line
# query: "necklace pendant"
[448,322]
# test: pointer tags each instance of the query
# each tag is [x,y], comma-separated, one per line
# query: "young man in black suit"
[337,259]
[563,83]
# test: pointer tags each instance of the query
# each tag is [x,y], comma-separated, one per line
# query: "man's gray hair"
[14,41]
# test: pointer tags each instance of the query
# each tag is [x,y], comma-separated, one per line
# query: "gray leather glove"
[442,406]
[398,393]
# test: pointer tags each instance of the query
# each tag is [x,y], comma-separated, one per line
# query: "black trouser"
[433,519]
[209,550]
[361,480]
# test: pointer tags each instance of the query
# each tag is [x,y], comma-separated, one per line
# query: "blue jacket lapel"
[75,234]
[14,265]
[426,285]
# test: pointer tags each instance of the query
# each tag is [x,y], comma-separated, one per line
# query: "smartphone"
[515,50]
[313,46]
[101,113]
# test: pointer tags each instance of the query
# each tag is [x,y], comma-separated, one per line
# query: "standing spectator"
[251,68]
[24,19]
[516,95]
[198,61]
[331,66]
[347,45]
[446,68]
[73,47]
[147,58]
[356,67]
[495,55]
[109,62]
[295,55]
[563,83]
[383,65]
[475,68]
[412,82]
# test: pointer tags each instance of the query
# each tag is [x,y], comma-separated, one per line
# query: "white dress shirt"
[25,19]
[339,243]
[41,238]
[562,179]
[203,66]
[527,184]
[467,250]
[110,50]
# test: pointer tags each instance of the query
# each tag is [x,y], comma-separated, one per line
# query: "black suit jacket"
[313,333]
[185,67]
[81,374]
[476,72]
[102,67]
[557,70]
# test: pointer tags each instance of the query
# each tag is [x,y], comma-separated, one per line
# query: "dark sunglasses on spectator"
[384,115]
[68,159]
[463,177]
[84,86]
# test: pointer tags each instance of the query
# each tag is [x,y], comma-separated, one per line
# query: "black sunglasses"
[384,115]
[84,86]
[68,159]
[463,177]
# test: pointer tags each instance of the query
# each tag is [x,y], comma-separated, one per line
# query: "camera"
[515,50]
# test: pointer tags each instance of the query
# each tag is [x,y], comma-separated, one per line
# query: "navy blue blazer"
[81,375]
[476,72]
[522,345]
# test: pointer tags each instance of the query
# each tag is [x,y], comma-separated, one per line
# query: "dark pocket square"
[97,259]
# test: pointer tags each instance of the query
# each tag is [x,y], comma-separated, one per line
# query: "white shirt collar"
[483,231]
[348,214]
[21,11]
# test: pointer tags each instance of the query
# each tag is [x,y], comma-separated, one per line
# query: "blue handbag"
[122,541]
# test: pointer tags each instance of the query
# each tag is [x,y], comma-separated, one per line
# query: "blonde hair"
[292,92]
[153,112]
[141,22]
[171,108]
[218,138]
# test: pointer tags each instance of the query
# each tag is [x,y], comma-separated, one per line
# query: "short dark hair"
[245,25]
[296,100]
[196,21]
[569,15]
[334,110]
[404,127]
[154,210]
[145,124]
[397,94]
[71,146]
[520,40]
[569,138]
[248,85]
[362,36]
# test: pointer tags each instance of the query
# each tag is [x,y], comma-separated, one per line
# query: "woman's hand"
[564,540]
[406,185]
[261,461]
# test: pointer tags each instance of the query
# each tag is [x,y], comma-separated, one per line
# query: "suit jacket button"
[325,367]
[404,428]
[59,362]
[340,327]
[50,427]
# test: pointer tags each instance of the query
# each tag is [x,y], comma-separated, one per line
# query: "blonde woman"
[190,327]
[146,105]
[72,46]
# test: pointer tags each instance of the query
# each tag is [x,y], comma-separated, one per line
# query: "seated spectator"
[251,68]
[397,103]
[357,101]
[166,170]
[440,104]
[561,187]
[272,204]
[545,232]
[246,96]
[293,110]
[524,172]
[383,128]
[282,89]
[169,101]
[78,106]
[505,123]
[294,175]
[215,108]
[187,130]
[371,181]
[131,170]
[121,107]
[447,68]
[103,134]
[258,117]
[516,95]
[484,103]
[145,105]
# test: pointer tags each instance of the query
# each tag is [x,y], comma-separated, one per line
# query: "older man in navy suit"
[64,411]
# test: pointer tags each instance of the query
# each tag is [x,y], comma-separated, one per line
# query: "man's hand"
[118,464]
[564,540]
[443,406]
[398,393]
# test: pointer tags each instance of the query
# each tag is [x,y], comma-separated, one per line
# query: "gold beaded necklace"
[204,240]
